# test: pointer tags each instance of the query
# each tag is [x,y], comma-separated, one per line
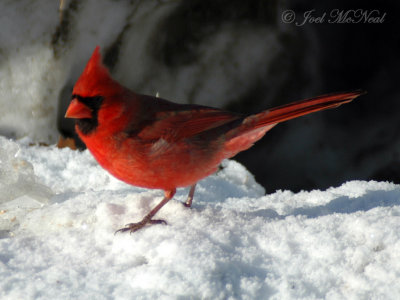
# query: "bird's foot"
[188,202]
[189,199]
[132,227]
[188,205]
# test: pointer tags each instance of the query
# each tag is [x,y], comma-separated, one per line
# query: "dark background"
[366,132]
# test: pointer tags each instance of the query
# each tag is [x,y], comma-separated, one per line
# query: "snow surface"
[59,211]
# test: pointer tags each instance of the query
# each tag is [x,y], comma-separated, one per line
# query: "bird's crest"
[95,79]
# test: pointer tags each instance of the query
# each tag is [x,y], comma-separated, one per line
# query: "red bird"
[154,143]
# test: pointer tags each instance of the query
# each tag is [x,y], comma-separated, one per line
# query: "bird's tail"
[255,126]
[300,108]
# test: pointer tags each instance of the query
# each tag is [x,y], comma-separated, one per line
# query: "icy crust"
[20,191]
[235,243]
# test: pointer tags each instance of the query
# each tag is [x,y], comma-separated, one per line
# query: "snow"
[59,211]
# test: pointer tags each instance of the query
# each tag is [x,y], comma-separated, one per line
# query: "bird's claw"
[157,222]
[132,227]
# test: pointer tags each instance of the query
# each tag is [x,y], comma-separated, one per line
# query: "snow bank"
[234,243]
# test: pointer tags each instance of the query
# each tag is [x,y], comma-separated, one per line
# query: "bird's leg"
[132,227]
[189,200]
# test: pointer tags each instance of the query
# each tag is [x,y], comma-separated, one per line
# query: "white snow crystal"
[19,190]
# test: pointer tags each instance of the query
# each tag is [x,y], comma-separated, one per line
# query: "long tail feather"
[255,126]
[303,107]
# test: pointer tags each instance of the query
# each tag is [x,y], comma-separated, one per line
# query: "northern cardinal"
[154,143]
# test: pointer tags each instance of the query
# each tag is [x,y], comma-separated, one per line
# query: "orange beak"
[77,110]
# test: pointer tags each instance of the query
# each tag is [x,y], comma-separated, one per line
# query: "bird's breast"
[158,164]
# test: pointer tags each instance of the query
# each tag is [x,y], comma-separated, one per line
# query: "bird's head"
[94,90]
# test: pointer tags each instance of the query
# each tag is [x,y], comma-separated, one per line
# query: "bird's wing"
[176,125]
